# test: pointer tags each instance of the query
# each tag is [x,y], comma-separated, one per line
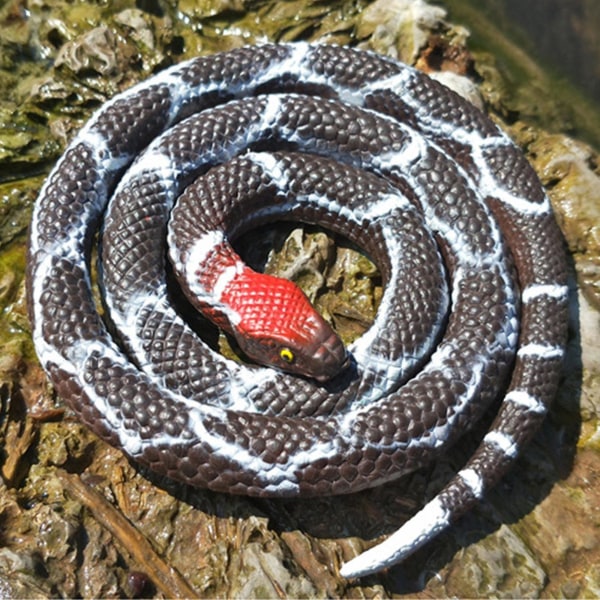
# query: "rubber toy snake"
[474,300]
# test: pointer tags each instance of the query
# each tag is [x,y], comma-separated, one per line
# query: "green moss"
[15,340]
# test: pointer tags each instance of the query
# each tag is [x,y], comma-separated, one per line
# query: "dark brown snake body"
[364,146]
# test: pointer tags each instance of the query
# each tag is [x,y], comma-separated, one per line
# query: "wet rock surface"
[77,519]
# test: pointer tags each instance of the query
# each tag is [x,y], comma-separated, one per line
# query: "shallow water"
[553,41]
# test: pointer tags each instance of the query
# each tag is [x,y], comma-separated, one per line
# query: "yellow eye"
[287,355]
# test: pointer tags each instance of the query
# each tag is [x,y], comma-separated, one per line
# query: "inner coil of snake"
[365,146]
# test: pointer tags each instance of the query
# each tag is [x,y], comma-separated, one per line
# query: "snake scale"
[474,302]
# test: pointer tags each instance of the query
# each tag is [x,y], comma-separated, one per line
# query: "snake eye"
[287,355]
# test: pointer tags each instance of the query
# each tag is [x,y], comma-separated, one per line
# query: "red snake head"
[279,327]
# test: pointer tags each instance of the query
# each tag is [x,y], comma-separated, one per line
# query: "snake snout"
[326,354]
[333,365]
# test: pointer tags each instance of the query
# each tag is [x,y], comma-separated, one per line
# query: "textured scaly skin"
[402,161]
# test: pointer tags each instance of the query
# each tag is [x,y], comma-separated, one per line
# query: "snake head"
[278,327]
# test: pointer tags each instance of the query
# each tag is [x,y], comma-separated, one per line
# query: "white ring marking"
[473,480]
[542,351]
[525,400]
[503,442]
[532,292]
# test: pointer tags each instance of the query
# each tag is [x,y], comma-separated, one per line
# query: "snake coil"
[365,146]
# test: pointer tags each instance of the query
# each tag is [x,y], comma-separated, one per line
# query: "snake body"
[367,147]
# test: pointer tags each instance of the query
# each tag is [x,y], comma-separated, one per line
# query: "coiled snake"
[367,147]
